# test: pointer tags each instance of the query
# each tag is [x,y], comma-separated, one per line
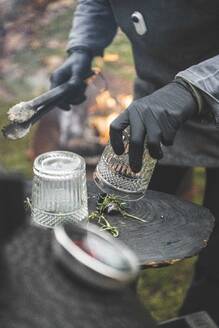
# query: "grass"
[161,290]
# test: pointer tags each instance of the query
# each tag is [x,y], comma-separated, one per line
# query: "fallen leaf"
[111,57]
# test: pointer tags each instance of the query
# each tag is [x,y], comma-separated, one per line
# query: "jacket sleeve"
[205,77]
[94,26]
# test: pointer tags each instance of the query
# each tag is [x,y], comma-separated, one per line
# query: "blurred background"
[33,37]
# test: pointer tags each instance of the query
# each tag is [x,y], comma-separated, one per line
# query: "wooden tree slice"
[175,229]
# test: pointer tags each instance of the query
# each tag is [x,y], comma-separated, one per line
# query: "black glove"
[158,116]
[74,70]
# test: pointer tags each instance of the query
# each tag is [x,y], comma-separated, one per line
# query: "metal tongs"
[23,115]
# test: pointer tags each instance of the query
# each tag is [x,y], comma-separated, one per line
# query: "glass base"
[50,220]
[105,187]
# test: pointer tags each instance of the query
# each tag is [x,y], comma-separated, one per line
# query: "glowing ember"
[105,110]
[125,100]
[101,124]
[104,103]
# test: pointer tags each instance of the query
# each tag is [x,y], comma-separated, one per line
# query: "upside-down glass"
[59,191]
[113,174]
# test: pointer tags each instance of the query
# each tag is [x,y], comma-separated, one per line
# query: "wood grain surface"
[175,229]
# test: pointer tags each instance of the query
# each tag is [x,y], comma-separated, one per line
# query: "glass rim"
[43,171]
[94,264]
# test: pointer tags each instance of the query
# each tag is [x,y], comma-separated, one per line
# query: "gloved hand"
[158,116]
[74,70]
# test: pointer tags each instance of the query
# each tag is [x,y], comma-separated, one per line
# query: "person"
[176,53]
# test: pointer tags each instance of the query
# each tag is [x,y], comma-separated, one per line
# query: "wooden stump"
[174,229]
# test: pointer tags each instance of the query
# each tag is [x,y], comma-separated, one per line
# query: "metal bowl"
[94,256]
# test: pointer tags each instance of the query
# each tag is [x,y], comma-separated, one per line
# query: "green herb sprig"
[103,223]
[104,204]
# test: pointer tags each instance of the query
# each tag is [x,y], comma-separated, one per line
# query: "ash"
[20,112]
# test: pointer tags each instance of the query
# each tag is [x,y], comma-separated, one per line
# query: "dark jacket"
[180,38]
